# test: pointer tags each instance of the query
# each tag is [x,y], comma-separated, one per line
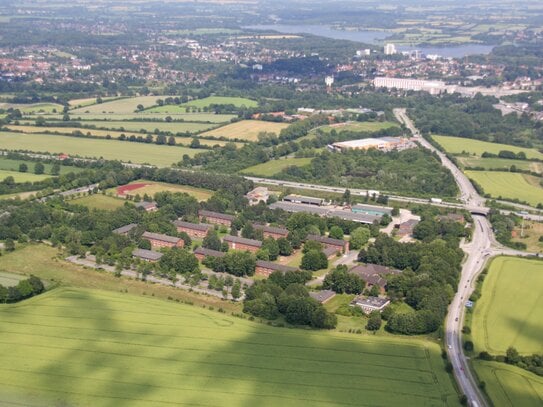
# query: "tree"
[336,232]
[511,356]
[314,260]
[140,107]
[9,245]
[347,196]
[55,170]
[271,245]
[311,245]
[171,141]
[285,249]
[39,168]
[195,143]
[23,167]
[341,281]
[212,241]
[359,237]
[374,321]
[236,290]
[181,261]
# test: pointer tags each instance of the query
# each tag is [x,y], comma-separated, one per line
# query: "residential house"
[147,206]
[373,274]
[271,231]
[124,230]
[201,253]
[146,255]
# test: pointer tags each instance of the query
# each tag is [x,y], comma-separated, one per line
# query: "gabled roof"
[208,252]
[242,240]
[271,229]
[146,254]
[274,266]
[160,237]
[326,240]
[125,229]
[218,215]
[204,227]
[322,296]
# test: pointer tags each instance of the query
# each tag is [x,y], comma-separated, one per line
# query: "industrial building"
[383,144]
[433,87]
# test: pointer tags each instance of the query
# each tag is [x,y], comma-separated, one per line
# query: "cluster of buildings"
[382,144]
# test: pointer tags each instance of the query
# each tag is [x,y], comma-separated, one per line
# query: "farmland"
[10,279]
[76,103]
[157,118]
[151,188]
[221,100]
[509,185]
[501,164]
[510,386]
[33,108]
[273,167]
[98,201]
[119,106]
[459,145]
[13,165]
[172,127]
[100,344]
[23,176]
[159,155]
[508,313]
[245,130]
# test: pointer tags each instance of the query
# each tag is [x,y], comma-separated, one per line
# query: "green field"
[75,103]
[10,279]
[273,167]
[151,188]
[246,130]
[509,311]
[220,100]
[510,386]
[99,201]
[157,118]
[96,348]
[13,165]
[119,106]
[509,185]
[34,107]
[159,155]
[458,145]
[358,126]
[173,127]
[501,163]
[23,176]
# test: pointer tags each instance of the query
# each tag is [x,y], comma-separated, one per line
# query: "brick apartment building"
[271,231]
[265,268]
[160,240]
[198,230]
[241,243]
[215,217]
[340,245]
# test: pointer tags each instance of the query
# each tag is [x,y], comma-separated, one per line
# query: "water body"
[374,38]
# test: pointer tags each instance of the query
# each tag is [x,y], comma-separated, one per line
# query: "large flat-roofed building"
[382,144]
[146,255]
[241,243]
[216,217]
[371,210]
[198,230]
[265,268]
[296,207]
[271,231]
[338,244]
[325,212]
[354,217]
[433,87]
[307,200]
[160,240]
[370,304]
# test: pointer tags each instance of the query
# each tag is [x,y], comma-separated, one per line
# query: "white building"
[433,87]
[390,49]
[329,81]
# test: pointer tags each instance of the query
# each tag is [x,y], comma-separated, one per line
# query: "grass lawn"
[509,185]
[74,346]
[510,386]
[220,100]
[153,187]
[509,311]
[160,155]
[23,176]
[133,117]
[273,167]
[246,130]
[10,279]
[173,127]
[99,201]
[358,126]
[34,108]
[501,163]
[457,145]
[13,165]
[75,103]
[120,106]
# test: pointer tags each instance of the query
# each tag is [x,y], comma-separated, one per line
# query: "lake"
[373,38]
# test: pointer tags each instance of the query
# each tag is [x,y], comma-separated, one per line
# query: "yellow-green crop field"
[245,130]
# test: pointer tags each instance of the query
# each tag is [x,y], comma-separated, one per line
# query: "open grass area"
[97,348]
[501,164]
[99,201]
[273,167]
[510,386]
[23,176]
[159,155]
[10,279]
[119,106]
[173,127]
[76,103]
[152,187]
[220,100]
[246,130]
[34,108]
[156,117]
[509,311]
[458,145]
[509,185]
[13,165]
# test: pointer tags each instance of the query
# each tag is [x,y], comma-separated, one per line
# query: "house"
[201,253]
[265,268]
[146,255]
[338,244]
[160,240]
[124,230]
[198,230]
[271,231]
[215,217]
[307,200]
[373,274]
[322,296]
[147,206]
[241,243]
[406,228]
[259,194]
[371,210]
[370,304]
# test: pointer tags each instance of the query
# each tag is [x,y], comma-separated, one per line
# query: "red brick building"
[241,243]
[271,231]
[265,268]
[215,217]
[201,253]
[340,245]
[198,230]
[160,240]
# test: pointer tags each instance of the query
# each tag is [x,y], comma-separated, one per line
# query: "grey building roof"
[372,208]
[125,229]
[145,204]
[146,254]
[271,229]
[296,207]
[326,240]
[161,237]
[372,302]
[322,296]
[274,266]
[329,251]
[218,215]
[355,217]
[303,199]
[242,240]
[203,227]
[208,252]
[373,273]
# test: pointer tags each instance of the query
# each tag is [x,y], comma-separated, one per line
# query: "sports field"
[509,311]
[457,145]
[119,106]
[98,201]
[23,176]
[160,155]
[10,279]
[501,163]
[97,348]
[273,167]
[246,130]
[142,187]
[510,386]
[509,185]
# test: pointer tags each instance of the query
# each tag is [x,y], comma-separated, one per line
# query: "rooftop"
[125,229]
[297,207]
[218,215]
[353,216]
[371,302]
[271,229]
[242,240]
[274,266]
[322,296]
[146,254]
[196,226]
[303,199]
[160,237]
[326,240]
[208,252]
